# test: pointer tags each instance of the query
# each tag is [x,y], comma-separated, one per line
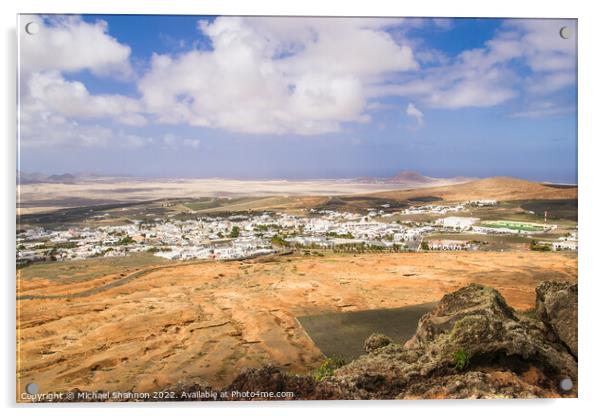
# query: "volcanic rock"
[556,305]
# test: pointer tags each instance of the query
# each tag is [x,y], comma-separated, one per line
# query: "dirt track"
[208,321]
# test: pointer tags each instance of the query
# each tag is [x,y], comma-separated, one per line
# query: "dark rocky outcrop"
[556,306]
[472,345]
[473,300]
[376,341]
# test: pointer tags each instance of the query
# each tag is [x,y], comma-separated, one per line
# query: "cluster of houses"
[446,209]
[568,242]
[232,237]
[451,245]
[244,236]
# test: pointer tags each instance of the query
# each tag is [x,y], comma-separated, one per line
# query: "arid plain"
[207,321]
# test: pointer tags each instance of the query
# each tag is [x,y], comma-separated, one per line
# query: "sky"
[298,98]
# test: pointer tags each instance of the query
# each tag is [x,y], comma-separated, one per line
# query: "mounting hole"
[32,28]
[31,388]
[566,384]
[565,32]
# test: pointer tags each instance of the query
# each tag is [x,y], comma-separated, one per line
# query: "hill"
[412,178]
[33,178]
[64,178]
[500,188]
[409,176]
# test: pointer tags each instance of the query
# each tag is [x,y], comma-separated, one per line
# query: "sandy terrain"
[45,197]
[207,321]
[39,197]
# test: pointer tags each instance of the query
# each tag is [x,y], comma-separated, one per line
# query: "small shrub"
[327,367]
[124,241]
[235,233]
[461,359]
[530,313]
[535,246]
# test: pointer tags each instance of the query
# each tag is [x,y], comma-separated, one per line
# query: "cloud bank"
[279,76]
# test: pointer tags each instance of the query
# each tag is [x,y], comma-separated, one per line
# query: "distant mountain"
[65,177]
[26,178]
[410,177]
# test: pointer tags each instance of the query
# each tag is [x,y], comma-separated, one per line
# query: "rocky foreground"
[472,345]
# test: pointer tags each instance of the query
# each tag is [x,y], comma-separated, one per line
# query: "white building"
[457,223]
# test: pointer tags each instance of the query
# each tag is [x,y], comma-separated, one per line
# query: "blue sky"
[193,96]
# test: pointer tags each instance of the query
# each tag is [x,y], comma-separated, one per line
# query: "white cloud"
[486,77]
[443,23]
[43,129]
[51,108]
[288,75]
[412,111]
[49,90]
[278,76]
[550,82]
[541,109]
[69,44]
[175,142]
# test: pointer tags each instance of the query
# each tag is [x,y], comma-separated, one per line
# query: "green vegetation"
[461,359]
[514,225]
[203,204]
[535,246]
[124,241]
[54,246]
[529,313]
[279,241]
[332,234]
[424,246]
[235,232]
[157,249]
[327,367]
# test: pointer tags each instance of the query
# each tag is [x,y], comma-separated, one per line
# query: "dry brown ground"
[207,321]
[499,188]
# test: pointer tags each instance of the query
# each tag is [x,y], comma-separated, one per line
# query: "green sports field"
[514,225]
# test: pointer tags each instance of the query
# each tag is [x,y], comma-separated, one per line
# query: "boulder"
[471,331]
[376,341]
[557,307]
[472,300]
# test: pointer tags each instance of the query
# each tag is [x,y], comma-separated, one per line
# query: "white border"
[590,275]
